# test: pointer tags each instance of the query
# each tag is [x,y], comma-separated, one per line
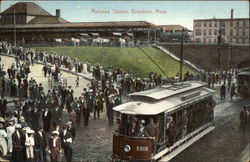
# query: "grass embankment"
[127,58]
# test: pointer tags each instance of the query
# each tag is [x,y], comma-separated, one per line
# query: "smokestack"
[232,13]
[58,13]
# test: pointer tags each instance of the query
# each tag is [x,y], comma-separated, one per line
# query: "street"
[226,143]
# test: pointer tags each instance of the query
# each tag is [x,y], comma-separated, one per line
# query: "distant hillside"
[140,60]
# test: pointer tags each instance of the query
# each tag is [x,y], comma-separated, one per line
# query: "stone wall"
[207,56]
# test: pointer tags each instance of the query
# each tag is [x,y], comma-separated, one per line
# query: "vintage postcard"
[124,81]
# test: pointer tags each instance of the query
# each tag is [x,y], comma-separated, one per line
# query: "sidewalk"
[87,76]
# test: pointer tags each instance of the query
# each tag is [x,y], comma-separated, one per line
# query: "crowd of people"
[36,129]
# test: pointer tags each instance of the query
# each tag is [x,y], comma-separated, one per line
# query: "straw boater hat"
[55,132]
[21,117]
[69,123]
[18,126]
[26,128]
[30,131]
[2,119]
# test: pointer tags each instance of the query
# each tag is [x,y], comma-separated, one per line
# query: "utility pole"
[181,58]
[14,23]
[219,44]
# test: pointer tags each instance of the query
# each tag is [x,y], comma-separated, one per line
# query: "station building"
[26,22]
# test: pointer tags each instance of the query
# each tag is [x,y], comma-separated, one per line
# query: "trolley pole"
[181,57]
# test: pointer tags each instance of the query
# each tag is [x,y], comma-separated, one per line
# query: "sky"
[172,12]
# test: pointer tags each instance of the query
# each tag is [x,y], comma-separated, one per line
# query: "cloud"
[78,6]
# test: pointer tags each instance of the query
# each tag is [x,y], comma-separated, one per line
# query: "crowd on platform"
[36,129]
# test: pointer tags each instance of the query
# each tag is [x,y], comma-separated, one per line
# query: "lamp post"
[181,57]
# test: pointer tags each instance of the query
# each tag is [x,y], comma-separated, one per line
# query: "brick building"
[232,30]
[172,33]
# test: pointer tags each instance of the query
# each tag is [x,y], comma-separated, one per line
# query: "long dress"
[10,130]
[3,143]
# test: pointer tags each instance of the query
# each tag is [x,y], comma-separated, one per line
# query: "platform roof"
[26,8]
[114,24]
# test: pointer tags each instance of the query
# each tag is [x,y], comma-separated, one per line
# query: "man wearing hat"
[18,141]
[71,129]
[66,139]
[29,144]
[85,113]
[110,111]
[46,116]
[55,147]
[40,144]
[10,130]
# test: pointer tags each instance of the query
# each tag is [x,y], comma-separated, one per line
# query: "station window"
[215,31]
[243,32]
[210,24]
[198,40]
[215,24]
[198,32]
[222,24]
[205,24]
[231,23]
[231,32]
[223,32]
[210,31]
[244,23]
[205,32]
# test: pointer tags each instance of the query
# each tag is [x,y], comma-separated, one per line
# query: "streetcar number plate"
[141,148]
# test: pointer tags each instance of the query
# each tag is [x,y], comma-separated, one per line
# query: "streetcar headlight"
[127,148]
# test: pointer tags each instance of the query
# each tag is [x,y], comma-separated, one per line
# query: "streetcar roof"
[145,107]
[244,73]
[168,90]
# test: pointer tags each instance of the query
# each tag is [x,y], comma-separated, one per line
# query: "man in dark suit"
[57,116]
[3,87]
[66,139]
[18,140]
[223,92]
[46,116]
[85,113]
[71,129]
[3,107]
[35,118]
[40,145]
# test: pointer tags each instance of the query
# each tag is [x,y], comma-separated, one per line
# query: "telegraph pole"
[14,25]
[219,44]
[181,58]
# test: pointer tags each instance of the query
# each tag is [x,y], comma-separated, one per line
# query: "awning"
[117,34]
[58,40]
[84,34]
[94,34]
[130,34]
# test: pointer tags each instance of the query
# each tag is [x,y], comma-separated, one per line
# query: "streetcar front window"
[142,126]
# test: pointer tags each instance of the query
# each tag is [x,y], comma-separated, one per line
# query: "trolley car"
[181,114]
[244,83]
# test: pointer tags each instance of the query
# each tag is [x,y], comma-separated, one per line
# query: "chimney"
[232,13]
[58,13]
